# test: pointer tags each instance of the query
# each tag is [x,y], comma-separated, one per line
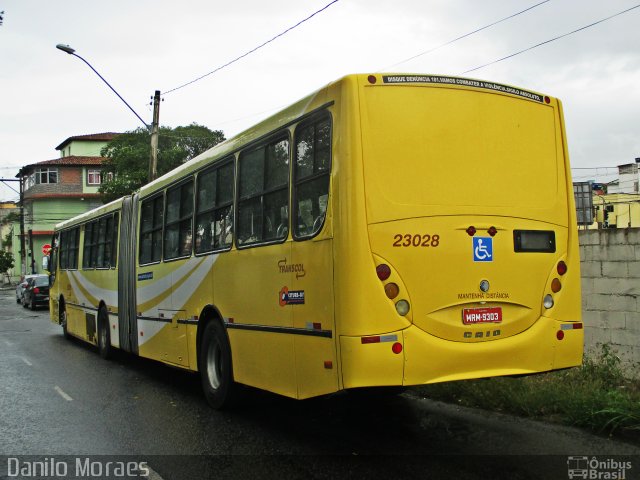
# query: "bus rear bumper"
[428,359]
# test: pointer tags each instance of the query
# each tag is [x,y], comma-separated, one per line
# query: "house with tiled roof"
[56,190]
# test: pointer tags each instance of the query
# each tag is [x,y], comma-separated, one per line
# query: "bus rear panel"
[471,226]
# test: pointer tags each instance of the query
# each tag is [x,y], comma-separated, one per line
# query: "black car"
[36,293]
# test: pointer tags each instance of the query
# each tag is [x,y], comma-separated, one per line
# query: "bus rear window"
[457,148]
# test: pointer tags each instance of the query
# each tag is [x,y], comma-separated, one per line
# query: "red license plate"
[473,316]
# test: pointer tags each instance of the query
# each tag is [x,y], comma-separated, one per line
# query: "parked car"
[20,287]
[36,293]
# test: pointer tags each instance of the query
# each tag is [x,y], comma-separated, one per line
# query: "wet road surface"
[58,397]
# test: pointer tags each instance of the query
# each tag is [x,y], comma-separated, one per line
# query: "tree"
[6,261]
[128,156]
[11,217]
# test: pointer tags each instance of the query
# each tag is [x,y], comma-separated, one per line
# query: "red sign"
[46,249]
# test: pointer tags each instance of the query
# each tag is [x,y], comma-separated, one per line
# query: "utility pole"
[153,161]
[32,262]
[23,253]
[5,180]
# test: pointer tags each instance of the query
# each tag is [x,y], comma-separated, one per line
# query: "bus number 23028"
[416,240]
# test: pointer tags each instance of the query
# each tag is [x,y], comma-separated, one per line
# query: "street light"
[71,51]
[153,128]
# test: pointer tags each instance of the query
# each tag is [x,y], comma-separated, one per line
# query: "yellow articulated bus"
[387,230]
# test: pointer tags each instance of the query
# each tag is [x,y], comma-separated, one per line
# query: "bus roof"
[96,212]
[296,110]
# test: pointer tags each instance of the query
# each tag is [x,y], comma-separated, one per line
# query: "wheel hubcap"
[103,336]
[214,365]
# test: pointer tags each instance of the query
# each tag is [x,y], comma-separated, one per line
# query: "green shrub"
[596,395]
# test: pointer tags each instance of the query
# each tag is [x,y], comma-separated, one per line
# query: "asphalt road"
[59,400]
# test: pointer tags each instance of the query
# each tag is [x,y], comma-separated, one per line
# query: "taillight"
[492,231]
[556,286]
[392,290]
[562,268]
[36,290]
[402,307]
[383,271]
[471,231]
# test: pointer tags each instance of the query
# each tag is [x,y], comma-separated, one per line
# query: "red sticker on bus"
[473,316]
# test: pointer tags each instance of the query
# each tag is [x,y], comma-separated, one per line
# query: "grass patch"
[596,395]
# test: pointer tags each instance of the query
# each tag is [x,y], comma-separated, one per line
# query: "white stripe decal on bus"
[109,296]
[178,298]
[158,286]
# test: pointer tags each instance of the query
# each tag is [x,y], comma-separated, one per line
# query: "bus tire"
[104,335]
[62,319]
[216,372]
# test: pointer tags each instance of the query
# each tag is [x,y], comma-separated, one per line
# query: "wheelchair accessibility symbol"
[482,249]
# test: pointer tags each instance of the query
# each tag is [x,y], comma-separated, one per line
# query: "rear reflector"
[379,339]
[366,340]
[572,326]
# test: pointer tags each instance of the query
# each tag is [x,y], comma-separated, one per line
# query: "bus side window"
[114,240]
[214,219]
[151,213]
[63,254]
[263,198]
[73,248]
[88,243]
[177,233]
[311,176]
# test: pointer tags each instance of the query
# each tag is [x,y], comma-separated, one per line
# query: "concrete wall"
[610,263]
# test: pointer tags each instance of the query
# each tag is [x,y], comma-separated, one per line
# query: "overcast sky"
[47,96]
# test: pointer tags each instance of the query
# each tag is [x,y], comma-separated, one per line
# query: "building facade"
[615,204]
[53,191]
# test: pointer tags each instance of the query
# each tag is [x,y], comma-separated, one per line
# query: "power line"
[465,35]
[551,40]
[252,50]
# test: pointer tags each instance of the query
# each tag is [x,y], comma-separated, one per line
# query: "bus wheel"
[104,336]
[62,319]
[215,367]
